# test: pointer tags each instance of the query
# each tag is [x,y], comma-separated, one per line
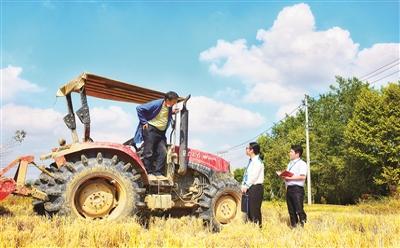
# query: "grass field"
[375,224]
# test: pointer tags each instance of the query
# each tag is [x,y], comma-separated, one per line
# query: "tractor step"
[159,181]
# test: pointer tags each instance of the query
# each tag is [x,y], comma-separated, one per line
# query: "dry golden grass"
[365,225]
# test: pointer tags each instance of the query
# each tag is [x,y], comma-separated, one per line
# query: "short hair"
[171,95]
[255,147]
[297,149]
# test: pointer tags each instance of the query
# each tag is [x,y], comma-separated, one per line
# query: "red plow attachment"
[7,186]
[17,185]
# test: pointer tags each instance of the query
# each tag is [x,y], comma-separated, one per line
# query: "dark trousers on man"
[294,200]
[254,197]
[154,150]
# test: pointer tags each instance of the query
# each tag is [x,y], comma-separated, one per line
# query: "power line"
[366,75]
[232,156]
[373,82]
[380,72]
[369,76]
[258,135]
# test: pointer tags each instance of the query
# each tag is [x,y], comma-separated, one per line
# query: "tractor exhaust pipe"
[183,139]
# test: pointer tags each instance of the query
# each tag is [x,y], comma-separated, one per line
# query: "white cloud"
[369,59]
[289,109]
[44,126]
[112,124]
[12,84]
[208,115]
[295,58]
[228,92]
[196,143]
[236,59]
[273,93]
[36,121]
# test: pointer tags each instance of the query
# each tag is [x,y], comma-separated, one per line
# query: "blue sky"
[158,44]
[174,46]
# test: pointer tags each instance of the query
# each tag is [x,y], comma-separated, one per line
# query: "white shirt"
[254,173]
[297,167]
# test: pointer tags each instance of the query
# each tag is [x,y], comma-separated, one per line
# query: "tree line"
[354,143]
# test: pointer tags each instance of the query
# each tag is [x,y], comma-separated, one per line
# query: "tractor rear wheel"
[92,188]
[220,203]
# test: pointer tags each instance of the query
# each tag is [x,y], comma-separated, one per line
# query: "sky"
[245,63]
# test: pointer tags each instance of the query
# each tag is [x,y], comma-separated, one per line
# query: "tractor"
[99,180]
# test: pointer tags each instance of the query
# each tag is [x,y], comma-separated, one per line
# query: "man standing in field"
[295,186]
[252,185]
[154,119]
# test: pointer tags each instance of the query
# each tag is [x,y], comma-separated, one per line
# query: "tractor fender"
[124,152]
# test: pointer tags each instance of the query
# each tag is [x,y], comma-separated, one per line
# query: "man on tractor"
[154,119]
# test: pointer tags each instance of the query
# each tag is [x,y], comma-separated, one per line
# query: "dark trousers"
[294,200]
[254,197]
[154,150]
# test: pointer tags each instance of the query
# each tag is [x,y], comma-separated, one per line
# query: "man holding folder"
[295,177]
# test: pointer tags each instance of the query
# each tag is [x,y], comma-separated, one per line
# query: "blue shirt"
[146,112]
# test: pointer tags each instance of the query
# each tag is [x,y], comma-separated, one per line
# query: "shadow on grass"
[5,212]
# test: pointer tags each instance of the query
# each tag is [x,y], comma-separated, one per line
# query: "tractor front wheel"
[220,203]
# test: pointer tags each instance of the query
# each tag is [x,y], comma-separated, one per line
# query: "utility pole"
[308,153]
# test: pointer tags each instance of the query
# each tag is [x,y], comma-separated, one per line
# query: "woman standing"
[252,185]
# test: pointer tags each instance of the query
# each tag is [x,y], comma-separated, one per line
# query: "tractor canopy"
[97,86]
[110,89]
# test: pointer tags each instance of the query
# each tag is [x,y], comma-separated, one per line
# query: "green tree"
[391,177]
[238,174]
[329,115]
[373,140]
[354,143]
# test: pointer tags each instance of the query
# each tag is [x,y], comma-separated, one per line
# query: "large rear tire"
[220,203]
[92,188]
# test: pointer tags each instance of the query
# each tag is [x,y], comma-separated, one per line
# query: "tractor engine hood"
[205,160]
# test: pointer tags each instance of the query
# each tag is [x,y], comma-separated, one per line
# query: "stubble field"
[374,224]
